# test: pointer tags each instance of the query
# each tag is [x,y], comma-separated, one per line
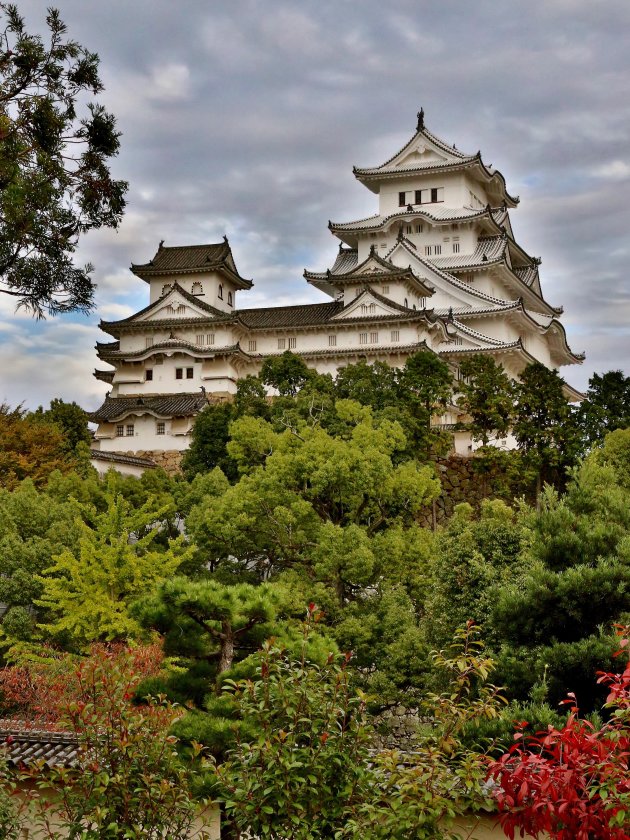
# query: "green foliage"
[10,817]
[208,442]
[615,451]
[88,594]
[54,179]
[128,781]
[606,406]
[310,773]
[71,420]
[487,397]
[287,373]
[544,424]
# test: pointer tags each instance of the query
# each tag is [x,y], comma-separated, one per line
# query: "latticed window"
[160,428]
[210,338]
[282,343]
[438,250]
[120,430]
[385,290]
[201,340]
[428,250]
[292,343]
[332,340]
[363,338]
[148,341]
[251,345]
[373,338]
[130,430]
[456,247]
[395,335]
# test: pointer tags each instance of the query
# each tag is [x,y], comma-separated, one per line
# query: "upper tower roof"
[192,259]
[428,154]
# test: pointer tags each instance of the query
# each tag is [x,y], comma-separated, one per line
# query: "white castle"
[436,268]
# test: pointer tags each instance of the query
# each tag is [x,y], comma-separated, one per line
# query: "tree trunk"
[227,647]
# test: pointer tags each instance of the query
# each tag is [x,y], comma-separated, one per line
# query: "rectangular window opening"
[148,375]
[190,373]
[251,345]
[395,335]
[282,343]
[332,340]
[120,431]
[179,373]
[292,343]
[160,428]
[130,429]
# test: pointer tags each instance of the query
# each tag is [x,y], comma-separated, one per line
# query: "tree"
[606,406]
[209,438]
[128,781]
[286,373]
[544,424]
[54,179]
[30,449]
[427,388]
[369,384]
[70,419]
[89,595]
[571,782]
[206,620]
[487,396]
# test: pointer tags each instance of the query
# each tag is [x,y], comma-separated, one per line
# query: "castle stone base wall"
[169,459]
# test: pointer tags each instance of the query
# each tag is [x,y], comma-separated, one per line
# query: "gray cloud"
[245,118]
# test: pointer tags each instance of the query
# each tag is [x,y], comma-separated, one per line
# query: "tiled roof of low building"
[169,405]
[120,458]
[26,745]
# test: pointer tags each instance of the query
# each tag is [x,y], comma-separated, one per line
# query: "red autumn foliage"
[572,783]
[40,691]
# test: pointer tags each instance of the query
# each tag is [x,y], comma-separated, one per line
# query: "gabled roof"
[171,345]
[191,259]
[116,327]
[440,156]
[373,268]
[433,213]
[163,406]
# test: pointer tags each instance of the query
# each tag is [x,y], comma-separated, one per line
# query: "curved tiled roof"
[436,214]
[165,405]
[171,344]
[120,458]
[24,744]
[489,249]
[303,315]
[191,259]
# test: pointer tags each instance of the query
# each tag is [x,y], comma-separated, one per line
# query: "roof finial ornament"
[372,249]
[225,239]
[450,313]
[341,247]
[420,120]
[161,245]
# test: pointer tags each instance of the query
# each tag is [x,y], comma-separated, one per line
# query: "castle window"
[200,340]
[170,310]
[438,250]
[189,373]
[160,428]
[401,199]
[456,247]
[181,309]
[395,335]
[220,292]
[210,338]
[428,250]
[385,290]
[406,304]
[120,430]
[230,299]
[373,338]
[251,345]
[332,340]
[179,373]
[419,228]
[197,289]
[282,343]
[130,429]
[434,195]
[363,338]
[418,197]
[148,341]
[165,290]
[409,229]
[148,375]
[292,343]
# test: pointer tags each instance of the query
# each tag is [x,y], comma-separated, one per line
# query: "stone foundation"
[169,459]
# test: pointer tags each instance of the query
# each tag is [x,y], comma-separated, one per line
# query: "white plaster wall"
[453,184]
[145,436]
[210,283]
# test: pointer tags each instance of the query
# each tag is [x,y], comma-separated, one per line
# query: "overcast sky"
[245,117]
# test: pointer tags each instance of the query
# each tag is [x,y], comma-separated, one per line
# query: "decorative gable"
[367,305]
